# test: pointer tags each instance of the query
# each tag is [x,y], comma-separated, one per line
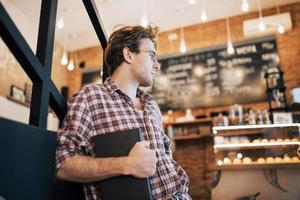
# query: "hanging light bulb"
[64,58]
[230,49]
[203,15]
[280,28]
[261,25]
[182,47]
[71,65]
[60,23]
[245,6]
[193,2]
[144,20]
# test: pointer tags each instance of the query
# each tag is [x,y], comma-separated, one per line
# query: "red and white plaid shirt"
[104,108]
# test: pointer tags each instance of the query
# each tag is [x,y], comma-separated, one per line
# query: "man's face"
[145,63]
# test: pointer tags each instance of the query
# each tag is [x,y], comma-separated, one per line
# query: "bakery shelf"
[204,120]
[249,129]
[191,137]
[289,165]
[241,146]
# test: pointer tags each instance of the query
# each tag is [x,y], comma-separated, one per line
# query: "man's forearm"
[88,169]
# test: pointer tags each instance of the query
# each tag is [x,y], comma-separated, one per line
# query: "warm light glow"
[193,2]
[245,6]
[64,58]
[71,65]
[230,49]
[239,155]
[203,15]
[280,29]
[262,25]
[182,46]
[144,20]
[219,162]
[60,23]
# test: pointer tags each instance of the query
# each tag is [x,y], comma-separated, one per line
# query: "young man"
[119,104]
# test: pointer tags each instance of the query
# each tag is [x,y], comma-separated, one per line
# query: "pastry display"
[270,160]
[287,140]
[256,141]
[286,158]
[295,158]
[278,160]
[279,140]
[272,140]
[226,161]
[294,139]
[247,160]
[264,140]
[261,160]
[237,161]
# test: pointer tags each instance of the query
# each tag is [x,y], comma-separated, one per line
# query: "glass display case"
[257,146]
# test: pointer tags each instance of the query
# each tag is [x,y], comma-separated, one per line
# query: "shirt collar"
[112,88]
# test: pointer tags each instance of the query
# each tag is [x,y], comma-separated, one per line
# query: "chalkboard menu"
[211,77]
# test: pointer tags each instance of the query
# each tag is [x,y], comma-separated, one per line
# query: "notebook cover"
[121,187]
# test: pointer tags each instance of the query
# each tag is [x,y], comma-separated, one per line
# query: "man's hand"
[142,160]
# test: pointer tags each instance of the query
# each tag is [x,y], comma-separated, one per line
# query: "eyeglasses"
[152,54]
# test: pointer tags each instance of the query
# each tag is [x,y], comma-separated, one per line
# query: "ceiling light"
[60,23]
[261,25]
[245,6]
[230,49]
[203,15]
[193,2]
[182,47]
[280,28]
[144,20]
[64,58]
[71,65]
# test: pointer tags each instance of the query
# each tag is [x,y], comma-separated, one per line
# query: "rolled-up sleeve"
[74,134]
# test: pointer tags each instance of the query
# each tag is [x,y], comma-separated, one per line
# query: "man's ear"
[127,54]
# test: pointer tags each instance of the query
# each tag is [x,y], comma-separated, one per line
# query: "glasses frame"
[152,54]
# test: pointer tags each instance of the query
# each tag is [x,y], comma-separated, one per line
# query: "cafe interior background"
[229,85]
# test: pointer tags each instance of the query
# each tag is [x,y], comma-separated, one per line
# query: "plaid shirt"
[104,108]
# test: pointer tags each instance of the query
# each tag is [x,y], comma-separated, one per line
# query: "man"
[118,104]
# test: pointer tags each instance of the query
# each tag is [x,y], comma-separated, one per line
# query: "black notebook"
[121,187]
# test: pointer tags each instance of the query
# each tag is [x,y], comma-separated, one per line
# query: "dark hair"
[127,36]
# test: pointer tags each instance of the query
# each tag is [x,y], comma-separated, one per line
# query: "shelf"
[191,137]
[289,165]
[248,129]
[241,146]
[204,121]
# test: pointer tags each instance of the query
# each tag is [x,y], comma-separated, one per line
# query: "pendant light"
[203,12]
[144,20]
[230,49]
[280,27]
[245,6]
[182,41]
[261,25]
[192,2]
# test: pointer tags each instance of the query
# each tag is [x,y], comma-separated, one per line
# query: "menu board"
[212,77]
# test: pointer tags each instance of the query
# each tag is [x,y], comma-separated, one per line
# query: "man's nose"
[156,65]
